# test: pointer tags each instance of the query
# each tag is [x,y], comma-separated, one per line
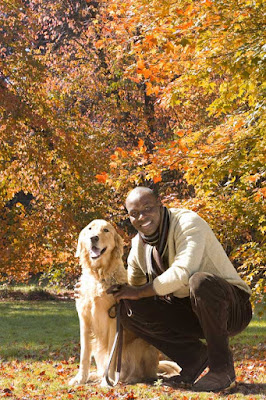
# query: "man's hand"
[77,290]
[131,292]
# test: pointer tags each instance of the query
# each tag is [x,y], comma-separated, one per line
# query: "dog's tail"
[168,368]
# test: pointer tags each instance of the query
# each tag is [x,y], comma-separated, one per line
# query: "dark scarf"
[158,241]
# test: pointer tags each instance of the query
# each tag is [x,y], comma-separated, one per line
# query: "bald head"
[143,207]
[139,192]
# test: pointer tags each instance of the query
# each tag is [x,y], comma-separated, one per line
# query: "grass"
[40,352]
[34,329]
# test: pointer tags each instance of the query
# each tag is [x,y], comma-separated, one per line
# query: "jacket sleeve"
[189,241]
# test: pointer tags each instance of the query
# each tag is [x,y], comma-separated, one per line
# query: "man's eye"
[106,230]
[133,214]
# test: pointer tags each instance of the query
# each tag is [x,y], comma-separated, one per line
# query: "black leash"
[118,342]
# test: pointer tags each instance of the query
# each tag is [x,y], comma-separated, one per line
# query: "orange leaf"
[141,143]
[123,152]
[101,178]
[157,178]
[146,73]
[254,178]
[148,88]
[140,64]
[151,40]
[182,146]
[185,25]
[156,90]
[132,78]
[263,191]
[99,44]
[257,197]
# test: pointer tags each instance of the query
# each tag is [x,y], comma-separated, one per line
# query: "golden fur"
[100,250]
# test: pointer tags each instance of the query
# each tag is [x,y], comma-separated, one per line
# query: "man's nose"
[141,215]
[94,239]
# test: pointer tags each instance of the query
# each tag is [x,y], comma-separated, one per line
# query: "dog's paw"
[79,379]
[104,383]
[110,382]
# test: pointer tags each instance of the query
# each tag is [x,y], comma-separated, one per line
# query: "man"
[183,288]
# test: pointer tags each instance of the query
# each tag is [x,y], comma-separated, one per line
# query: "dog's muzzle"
[95,252]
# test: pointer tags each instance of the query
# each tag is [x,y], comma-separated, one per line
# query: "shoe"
[188,376]
[216,381]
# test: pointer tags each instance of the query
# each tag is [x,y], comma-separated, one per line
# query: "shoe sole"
[188,384]
[227,389]
[220,390]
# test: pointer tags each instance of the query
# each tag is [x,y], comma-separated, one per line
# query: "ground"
[39,353]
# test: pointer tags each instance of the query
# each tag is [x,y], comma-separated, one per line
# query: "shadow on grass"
[247,388]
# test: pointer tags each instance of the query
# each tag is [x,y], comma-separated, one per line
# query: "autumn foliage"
[97,96]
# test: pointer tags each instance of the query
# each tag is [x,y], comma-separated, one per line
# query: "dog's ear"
[79,246]
[119,245]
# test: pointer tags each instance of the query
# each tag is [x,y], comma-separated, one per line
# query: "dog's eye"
[106,230]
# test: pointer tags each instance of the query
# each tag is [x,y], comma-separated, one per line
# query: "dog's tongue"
[95,252]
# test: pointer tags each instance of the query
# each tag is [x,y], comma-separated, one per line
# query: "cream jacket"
[191,247]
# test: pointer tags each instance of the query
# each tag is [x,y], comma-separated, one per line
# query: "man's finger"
[113,289]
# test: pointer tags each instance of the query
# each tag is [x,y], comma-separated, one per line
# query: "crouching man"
[183,288]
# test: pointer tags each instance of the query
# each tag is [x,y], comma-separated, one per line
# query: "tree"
[45,141]
[99,96]
[58,75]
[203,61]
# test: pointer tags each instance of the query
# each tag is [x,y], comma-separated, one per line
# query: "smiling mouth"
[146,224]
[95,252]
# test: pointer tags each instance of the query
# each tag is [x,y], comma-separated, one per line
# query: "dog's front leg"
[103,353]
[85,354]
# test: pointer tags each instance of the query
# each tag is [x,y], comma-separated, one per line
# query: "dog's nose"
[94,239]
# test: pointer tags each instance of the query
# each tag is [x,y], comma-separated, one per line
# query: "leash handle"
[116,348]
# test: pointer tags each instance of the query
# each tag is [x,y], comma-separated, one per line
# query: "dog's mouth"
[95,252]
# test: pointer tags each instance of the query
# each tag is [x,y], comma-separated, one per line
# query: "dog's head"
[99,241]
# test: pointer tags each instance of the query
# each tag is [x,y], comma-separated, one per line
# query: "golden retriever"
[100,250]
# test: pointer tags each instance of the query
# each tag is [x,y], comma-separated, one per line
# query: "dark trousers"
[214,311]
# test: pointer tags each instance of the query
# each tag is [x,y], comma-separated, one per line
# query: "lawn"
[40,352]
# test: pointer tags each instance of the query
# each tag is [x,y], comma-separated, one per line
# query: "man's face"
[144,212]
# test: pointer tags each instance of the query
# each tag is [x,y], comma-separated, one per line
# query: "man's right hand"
[77,290]
[131,292]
